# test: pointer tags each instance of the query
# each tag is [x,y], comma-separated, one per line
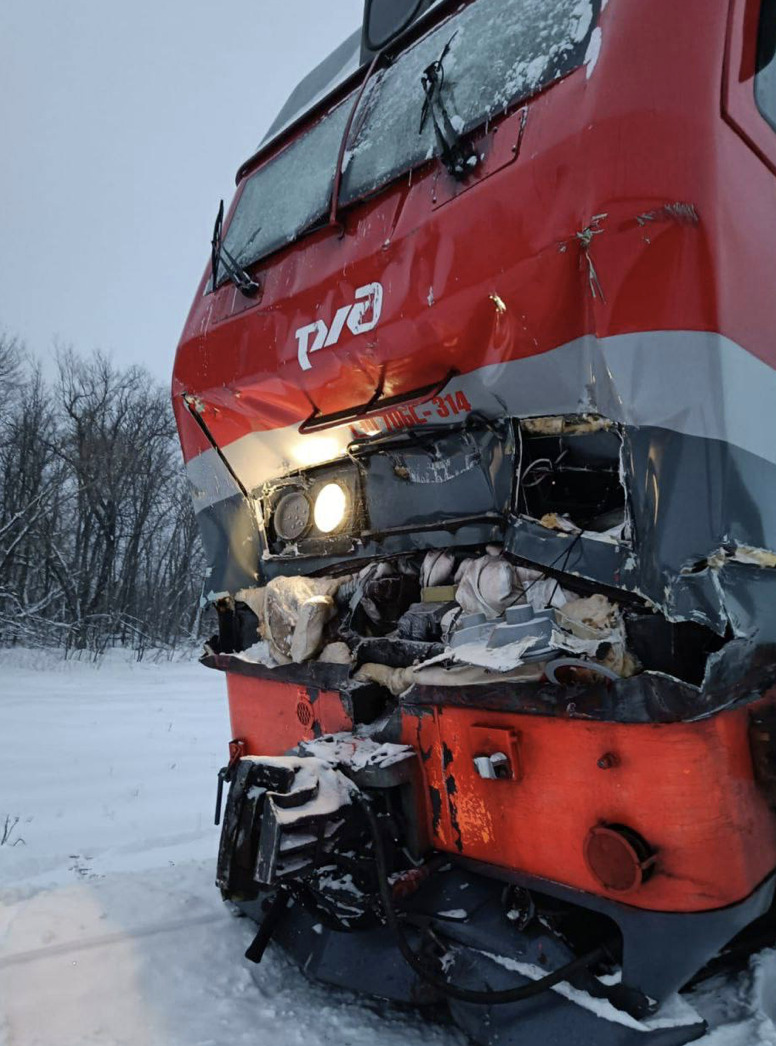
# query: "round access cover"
[292,516]
[618,857]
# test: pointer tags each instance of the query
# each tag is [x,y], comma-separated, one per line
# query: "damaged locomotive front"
[490,520]
[542,721]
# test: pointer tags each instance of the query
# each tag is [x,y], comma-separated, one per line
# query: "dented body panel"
[678,349]
[543,355]
[537,820]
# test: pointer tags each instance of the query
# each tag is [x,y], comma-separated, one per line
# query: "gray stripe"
[210,480]
[691,382]
[694,383]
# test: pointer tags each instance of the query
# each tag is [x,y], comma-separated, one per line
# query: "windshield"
[288,194]
[494,53]
[497,52]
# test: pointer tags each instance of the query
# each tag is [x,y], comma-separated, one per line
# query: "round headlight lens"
[331,506]
[292,516]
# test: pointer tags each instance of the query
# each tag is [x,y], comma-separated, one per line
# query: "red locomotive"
[477,400]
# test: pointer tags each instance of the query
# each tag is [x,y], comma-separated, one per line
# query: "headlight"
[292,516]
[310,513]
[331,508]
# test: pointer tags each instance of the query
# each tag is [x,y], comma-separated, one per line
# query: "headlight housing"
[309,511]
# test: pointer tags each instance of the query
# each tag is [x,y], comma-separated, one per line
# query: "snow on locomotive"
[477,399]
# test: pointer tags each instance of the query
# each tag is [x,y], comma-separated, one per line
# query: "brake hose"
[454,991]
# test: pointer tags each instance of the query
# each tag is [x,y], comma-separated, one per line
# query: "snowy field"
[111,931]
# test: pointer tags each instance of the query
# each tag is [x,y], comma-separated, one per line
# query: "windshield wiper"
[458,156]
[221,258]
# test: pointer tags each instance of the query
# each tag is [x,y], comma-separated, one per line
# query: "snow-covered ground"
[111,931]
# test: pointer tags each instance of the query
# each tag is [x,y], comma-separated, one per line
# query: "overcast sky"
[123,122]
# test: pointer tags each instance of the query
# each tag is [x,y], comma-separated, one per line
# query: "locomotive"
[477,402]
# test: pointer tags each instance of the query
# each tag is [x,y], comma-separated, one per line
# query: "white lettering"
[339,322]
[360,318]
[372,296]
[321,331]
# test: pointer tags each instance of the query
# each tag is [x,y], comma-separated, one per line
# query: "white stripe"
[692,382]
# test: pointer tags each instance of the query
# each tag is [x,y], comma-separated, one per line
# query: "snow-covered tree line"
[98,541]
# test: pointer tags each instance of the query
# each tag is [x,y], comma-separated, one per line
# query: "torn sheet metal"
[697,483]
[423,483]
[546,511]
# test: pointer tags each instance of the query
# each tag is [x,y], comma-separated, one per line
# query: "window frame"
[348,95]
[739,102]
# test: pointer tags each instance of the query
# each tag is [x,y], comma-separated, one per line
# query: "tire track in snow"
[74,947]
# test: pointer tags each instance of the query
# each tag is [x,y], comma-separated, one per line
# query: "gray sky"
[122,124]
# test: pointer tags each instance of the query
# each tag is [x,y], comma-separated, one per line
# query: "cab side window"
[765,76]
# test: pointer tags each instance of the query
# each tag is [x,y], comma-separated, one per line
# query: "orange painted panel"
[687,788]
[273,717]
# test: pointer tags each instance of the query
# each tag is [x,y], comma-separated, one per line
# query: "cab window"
[488,56]
[765,77]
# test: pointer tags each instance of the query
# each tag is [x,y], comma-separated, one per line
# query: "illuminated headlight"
[310,513]
[331,508]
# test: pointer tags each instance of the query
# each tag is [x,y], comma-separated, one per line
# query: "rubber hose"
[453,991]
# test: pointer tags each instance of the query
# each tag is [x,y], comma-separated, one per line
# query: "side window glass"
[765,78]
[384,19]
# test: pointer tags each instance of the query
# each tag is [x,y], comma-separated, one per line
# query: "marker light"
[331,506]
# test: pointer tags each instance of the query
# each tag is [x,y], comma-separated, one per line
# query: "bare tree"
[98,544]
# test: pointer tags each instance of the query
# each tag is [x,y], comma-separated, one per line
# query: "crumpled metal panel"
[620,287]
[456,476]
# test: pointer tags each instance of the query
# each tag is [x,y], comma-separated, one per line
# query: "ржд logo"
[360,318]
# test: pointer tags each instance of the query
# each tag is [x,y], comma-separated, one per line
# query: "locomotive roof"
[325,78]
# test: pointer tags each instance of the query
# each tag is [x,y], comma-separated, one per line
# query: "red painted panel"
[273,717]
[688,789]
[645,130]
